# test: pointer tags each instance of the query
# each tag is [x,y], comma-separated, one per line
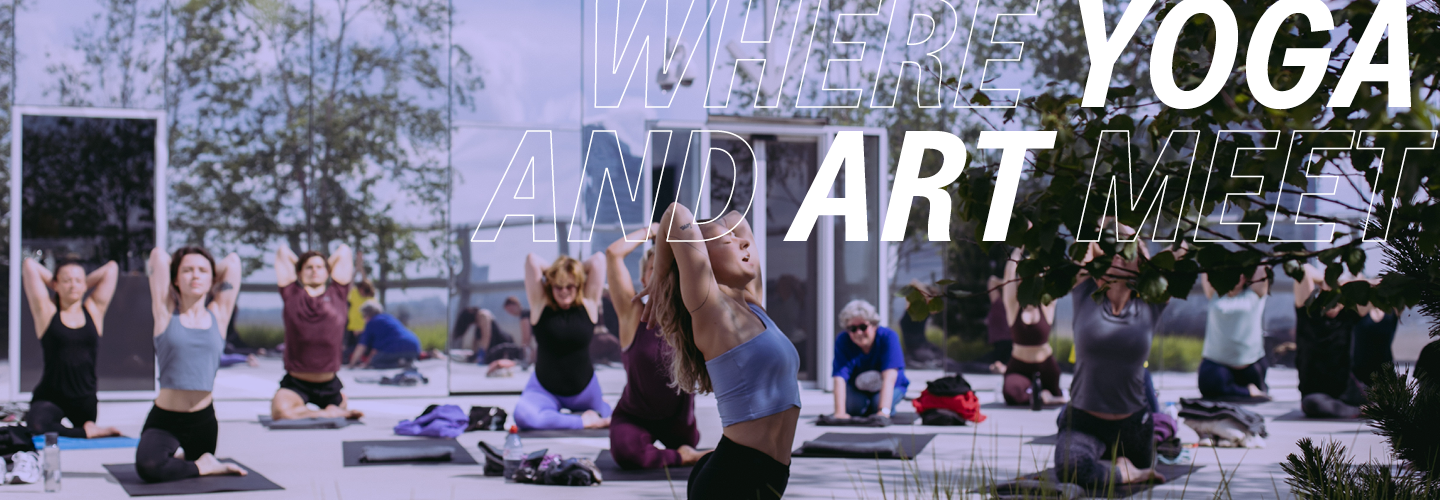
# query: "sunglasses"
[858,328]
[570,287]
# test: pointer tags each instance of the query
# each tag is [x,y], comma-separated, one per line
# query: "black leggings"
[735,471]
[166,431]
[45,415]
[1017,379]
[1087,445]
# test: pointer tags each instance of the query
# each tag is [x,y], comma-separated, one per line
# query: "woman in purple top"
[650,409]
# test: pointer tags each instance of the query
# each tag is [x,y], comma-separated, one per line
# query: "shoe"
[26,469]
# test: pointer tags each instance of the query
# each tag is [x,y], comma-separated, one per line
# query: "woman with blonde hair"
[569,293]
[706,301]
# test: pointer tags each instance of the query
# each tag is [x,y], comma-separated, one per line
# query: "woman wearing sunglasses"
[869,364]
[564,376]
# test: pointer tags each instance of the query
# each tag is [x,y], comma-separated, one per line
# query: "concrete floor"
[308,463]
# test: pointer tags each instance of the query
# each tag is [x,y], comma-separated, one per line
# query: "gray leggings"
[1088,445]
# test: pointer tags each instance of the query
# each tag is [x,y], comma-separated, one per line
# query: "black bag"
[941,416]
[951,386]
[572,472]
[487,418]
[15,439]
[494,460]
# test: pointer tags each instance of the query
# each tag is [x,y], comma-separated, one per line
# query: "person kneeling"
[869,364]
[394,345]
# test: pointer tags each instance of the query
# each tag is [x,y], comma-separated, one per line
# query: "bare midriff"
[181,401]
[1031,353]
[772,435]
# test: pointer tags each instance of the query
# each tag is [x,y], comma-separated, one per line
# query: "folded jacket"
[381,453]
[966,405]
[883,448]
[1199,409]
[446,421]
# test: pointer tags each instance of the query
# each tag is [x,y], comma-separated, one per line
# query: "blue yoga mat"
[69,443]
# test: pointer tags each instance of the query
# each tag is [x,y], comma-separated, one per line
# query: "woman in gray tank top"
[1106,432]
[189,338]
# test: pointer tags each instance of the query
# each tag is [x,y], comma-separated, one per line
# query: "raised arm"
[594,278]
[1205,285]
[1260,281]
[285,259]
[1010,288]
[1306,285]
[697,280]
[36,280]
[342,265]
[101,283]
[228,273]
[535,285]
[161,303]
[622,289]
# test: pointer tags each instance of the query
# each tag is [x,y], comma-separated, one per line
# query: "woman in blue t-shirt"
[869,366]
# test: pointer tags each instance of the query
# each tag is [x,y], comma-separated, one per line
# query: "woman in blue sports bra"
[706,288]
[192,298]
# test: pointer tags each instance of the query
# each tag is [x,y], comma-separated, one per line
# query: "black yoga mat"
[1299,416]
[897,419]
[562,433]
[352,450]
[307,423]
[134,486]
[1052,439]
[612,471]
[909,445]
[1000,405]
[1240,400]
[1171,473]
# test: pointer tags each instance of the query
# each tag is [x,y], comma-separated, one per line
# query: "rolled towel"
[883,448]
[378,453]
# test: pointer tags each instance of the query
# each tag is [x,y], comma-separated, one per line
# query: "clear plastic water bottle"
[514,453]
[1172,410]
[51,464]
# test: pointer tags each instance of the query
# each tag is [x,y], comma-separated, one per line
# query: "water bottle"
[1172,410]
[514,453]
[1036,402]
[51,467]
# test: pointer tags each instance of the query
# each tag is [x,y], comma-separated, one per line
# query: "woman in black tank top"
[567,294]
[69,328]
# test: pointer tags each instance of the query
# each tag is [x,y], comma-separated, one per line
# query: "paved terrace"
[308,463]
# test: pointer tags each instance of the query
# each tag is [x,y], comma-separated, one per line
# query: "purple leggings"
[538,409]
[632,439]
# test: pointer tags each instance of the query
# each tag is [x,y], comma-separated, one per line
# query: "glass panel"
[791,295]
[857,263]
[730,189]
[110,163]
[89,53]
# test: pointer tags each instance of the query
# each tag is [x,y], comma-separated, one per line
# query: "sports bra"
[758,378]
[188,358]
[1025,334]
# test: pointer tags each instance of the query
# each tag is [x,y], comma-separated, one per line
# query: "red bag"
[966,405]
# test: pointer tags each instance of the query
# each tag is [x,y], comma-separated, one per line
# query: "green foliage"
[1325,473]
[260,336]
[431,336]
[1175,353]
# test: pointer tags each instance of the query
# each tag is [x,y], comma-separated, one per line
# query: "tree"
[300,126]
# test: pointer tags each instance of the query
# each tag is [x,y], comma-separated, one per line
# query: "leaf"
[1356,292]
[1332,275]
[1294,270]
[980,98]
[1355,260]
[1164,260]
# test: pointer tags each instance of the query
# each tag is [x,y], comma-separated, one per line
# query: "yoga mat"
[1239,400]
[612,471]
[1299,416]
[1171,473]
[307,423]
[910,445]
[134,486]
[563,433]
[351,450]
[69,443]
[898,419]
[1052,440]
[1000,405]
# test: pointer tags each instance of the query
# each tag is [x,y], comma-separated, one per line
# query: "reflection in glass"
[791,295]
